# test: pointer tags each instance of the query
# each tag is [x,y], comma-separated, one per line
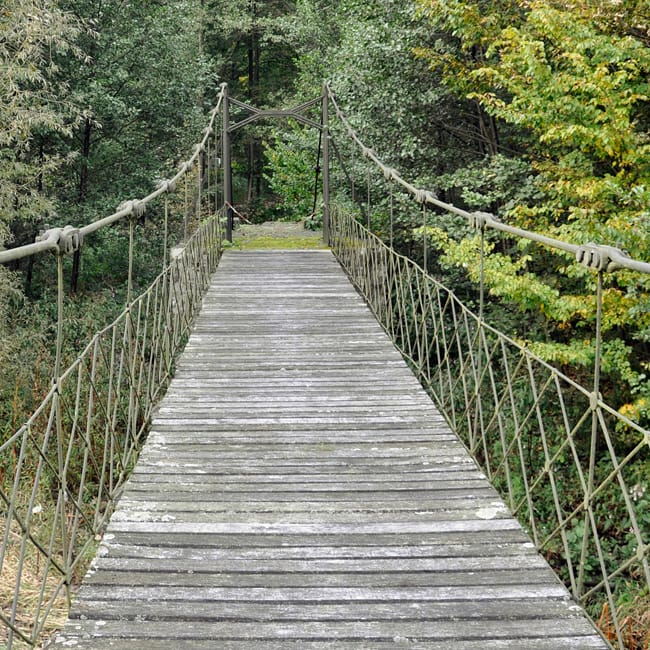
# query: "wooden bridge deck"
[299,490]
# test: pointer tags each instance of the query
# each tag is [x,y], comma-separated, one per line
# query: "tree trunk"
[254,173]
[251,169]
[83,193]
[488,131]
[85,153]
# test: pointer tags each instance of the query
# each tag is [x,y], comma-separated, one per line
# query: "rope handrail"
[598,257]
[587,393]
[531,427]
[63,468]
[69,238]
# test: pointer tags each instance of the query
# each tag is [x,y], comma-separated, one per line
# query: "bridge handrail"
[599,257]
[61,471]
[565,461]
[53,238]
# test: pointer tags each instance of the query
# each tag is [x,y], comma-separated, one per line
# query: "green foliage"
[98,100]
[495,183]
[250,41]
[33,104]
[275,243]
[290,173]
[577,91]
[141,88]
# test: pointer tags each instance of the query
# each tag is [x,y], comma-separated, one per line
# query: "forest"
[536,111]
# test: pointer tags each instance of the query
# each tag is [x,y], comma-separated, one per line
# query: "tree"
[97,101]
[252,53]
[141,89]
[577,89]
[32,104]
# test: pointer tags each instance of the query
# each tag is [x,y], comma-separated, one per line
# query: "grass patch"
[277,235]
[268,242]
[39,586]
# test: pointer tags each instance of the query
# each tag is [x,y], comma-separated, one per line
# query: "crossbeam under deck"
[299,489]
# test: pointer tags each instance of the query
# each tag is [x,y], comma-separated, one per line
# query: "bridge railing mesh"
[75,452]
[570,467]
[61,472]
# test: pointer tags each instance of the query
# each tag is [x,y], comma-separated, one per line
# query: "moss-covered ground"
[276,235]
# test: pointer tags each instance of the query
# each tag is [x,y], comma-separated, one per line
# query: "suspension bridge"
[319,467]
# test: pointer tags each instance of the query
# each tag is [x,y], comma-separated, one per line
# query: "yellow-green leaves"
[573,80]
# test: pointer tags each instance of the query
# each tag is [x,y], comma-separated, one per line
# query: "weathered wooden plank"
[320,540]
[291,611]
[298,489]
[207,494]
[466,595]
[512,549]
[461,506]
[318,566]
[290,580]
[317,528]
[303,482]
[415,631]
[325,515]
[512,643]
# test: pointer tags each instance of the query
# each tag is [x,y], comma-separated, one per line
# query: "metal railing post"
[186,208]
[199,188]
[368,201]
[326,165]
[227,167]
[166,232]
[392,211]
[61,461]
[129,282]
[595,395]
[425,238]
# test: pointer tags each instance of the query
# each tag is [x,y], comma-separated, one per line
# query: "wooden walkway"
[300,490]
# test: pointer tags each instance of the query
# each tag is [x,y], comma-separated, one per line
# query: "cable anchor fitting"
[167,185]
[70,240]
[479,220]
[598,257]
[67,240]
[133,208]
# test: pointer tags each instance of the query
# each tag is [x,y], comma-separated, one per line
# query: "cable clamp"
[167,185]
[70,240]
[67,240]
[599,257]
[135,208]
[479,220]
[594,401]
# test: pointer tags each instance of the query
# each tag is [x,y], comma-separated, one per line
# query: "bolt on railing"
[63,469]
